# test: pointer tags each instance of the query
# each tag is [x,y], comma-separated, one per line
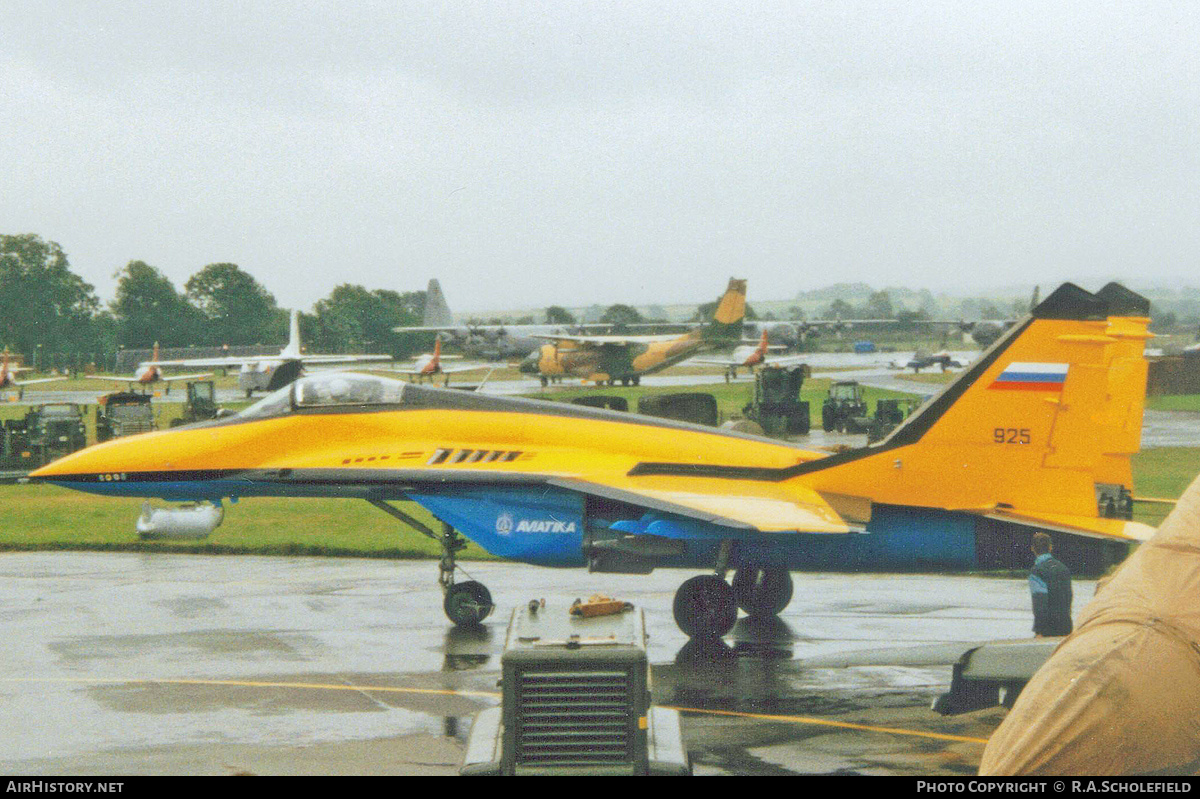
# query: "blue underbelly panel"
[533,525]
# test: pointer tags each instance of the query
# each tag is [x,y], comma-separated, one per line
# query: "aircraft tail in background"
[729,314]
[437,311]
[292,350]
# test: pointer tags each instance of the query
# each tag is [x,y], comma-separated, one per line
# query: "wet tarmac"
[163,664]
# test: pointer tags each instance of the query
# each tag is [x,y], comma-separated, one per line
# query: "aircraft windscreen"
[327,390]
[277,403]
[346,388]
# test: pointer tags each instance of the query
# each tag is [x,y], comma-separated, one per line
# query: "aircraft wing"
[338,358]
[114,378]
[232,362]
[791,360]
[600,341]
[229,362]
[719,361]
[442,368]
[38,380]
[761,507]
[169,378]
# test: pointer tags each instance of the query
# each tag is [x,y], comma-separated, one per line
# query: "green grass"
[48,517]
[1174,402]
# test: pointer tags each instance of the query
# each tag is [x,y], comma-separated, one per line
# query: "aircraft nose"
[530,364]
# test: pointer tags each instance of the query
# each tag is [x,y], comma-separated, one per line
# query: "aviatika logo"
[540,526]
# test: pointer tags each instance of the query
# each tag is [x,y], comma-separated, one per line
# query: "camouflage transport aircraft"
[1035,435]
[607,359]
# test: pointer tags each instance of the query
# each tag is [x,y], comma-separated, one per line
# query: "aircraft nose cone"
[529,365]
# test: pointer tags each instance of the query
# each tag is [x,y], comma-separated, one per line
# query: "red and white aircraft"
[7,381]
[428,365]
[148,374]
[750,357]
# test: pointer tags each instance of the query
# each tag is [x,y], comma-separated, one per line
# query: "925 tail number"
[1011,435]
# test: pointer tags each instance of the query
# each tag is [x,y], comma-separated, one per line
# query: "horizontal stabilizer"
[1079,525]
[765,507]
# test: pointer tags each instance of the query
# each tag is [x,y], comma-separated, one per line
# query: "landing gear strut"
[466,603]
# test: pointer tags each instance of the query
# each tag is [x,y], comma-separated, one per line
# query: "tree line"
[54,318]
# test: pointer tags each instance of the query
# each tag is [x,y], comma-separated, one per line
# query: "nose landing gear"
[467,603]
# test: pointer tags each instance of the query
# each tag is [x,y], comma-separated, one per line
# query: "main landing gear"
[466,604]
[706,606]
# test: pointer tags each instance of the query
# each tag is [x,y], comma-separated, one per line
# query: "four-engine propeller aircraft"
[492,341]
[1036,434]
[270,372]
[609,358]
[750,357]
[8,381]
[148,373]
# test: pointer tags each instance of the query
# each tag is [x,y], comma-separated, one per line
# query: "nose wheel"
[467,603]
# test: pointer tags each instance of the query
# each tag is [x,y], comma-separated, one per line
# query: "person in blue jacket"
[1050,588]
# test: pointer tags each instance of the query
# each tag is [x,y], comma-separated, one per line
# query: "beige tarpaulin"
[1121,695]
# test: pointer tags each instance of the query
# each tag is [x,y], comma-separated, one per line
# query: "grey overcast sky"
[569,152]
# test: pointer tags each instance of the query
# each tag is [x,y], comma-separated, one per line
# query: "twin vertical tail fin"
[1040,429]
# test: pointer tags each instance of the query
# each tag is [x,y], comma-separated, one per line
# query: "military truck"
[56,429]
[844,409]
[575,701]
[123,413]
[776,405]
[201,403]
[44,433]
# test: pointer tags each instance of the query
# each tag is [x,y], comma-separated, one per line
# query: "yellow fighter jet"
[1037,434]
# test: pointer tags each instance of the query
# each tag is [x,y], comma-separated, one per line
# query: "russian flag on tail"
[1032,377]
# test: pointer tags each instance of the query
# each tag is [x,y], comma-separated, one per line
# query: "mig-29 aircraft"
[1035,435]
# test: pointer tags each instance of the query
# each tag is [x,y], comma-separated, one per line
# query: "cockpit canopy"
[328,390]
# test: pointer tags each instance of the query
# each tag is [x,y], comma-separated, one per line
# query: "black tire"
[545,382]
[637,380]
[826,419]
[467,603]
[762,590]
[704,607]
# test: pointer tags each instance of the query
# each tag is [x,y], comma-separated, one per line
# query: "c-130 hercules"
[1036,434]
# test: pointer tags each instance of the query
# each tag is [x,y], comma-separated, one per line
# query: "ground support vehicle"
[123,413]
[776,405]
[201,403]
[576,701]
[45,433]
[844,409]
